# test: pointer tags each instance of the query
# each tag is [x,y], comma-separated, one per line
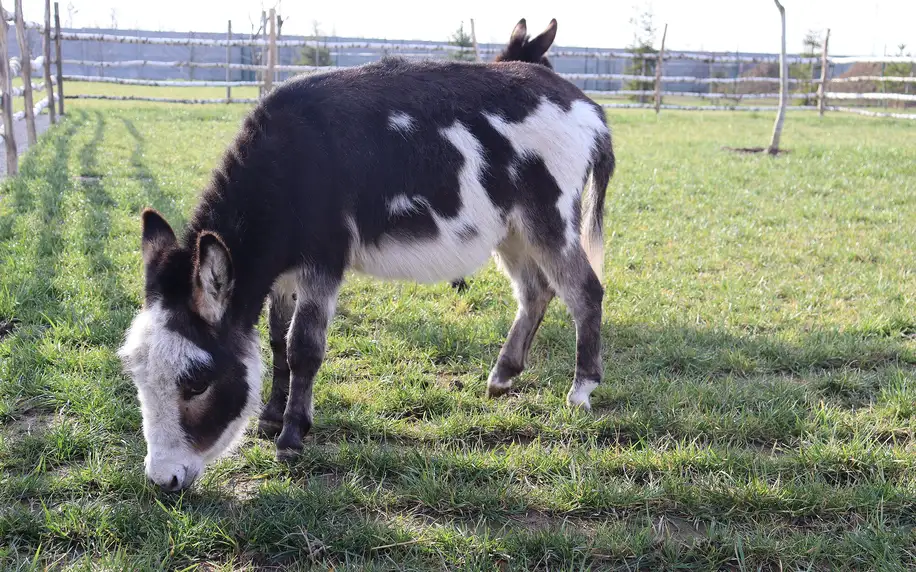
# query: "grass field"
[758,412]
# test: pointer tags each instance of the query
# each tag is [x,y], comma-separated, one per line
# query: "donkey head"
[198,375]
[523,49]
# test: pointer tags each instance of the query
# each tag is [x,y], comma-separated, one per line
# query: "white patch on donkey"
[400,121]
[451,254]
[557,137]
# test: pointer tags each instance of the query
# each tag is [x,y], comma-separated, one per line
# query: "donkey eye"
[196,389]
[194,383]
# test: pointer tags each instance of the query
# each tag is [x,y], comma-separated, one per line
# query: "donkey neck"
[242,222]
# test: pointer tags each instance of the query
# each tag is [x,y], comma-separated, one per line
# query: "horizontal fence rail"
[160,83]
[164,99]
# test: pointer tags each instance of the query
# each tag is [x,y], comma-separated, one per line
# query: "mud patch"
[755,150]
[7,326]
[30,422]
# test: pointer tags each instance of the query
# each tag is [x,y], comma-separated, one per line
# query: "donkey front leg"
[316,299]
[280,313]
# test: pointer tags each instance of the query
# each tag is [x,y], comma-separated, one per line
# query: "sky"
[865,27]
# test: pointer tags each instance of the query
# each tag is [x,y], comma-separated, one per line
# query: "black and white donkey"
[403,170]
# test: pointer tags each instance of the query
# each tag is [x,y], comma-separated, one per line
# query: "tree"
[71,10]
[899,69]
[315,54]
[804,72]
[463,40]
[644,59]
[773,149]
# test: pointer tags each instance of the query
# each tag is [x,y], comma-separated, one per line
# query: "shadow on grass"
[677,382]
[43,279]
[152,192]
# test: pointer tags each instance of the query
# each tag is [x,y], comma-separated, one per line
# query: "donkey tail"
[592,228]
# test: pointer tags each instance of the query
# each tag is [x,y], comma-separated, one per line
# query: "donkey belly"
[453,254]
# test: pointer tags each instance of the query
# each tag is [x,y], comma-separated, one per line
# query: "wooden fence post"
[49,84]
[658,73]
[822,88]
[228,63]
[9,137]
[190,57]
[60,62]
[26,57]
[271,52]
[261,60]
[474,40]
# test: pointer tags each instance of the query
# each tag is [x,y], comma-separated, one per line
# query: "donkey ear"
[213,277]
[157,235]
[519,33]
[539,45]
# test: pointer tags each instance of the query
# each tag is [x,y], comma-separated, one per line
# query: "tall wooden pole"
[271,52]
[228,62]
[474,40]
[60,62]
[26,57]
[262,61]
[658,73]
[822,88]
[783,87]
[9,137]
[49,84]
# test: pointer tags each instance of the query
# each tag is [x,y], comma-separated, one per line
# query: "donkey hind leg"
[280,313]
[580,289]
[533,293]
[316,299]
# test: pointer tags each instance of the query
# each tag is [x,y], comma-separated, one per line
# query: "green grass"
[759,408]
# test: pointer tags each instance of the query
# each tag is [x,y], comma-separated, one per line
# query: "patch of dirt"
[88,179]
[7,326]
[753,150]
[682,530]
[244,489]
[30,421]
[535,520]
[449,382]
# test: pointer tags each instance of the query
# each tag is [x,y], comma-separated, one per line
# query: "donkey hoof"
[289,445]
[269,428]
[579,395]
[288,454]
[498,388]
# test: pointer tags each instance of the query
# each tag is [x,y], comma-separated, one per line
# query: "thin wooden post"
[22,36]
[277,62]
[822,88]
[271,52]
[884,81]
[60,62]
[317,61]
[658,73]
[190,57]
[228,62]
[49,85]
[9,138]
[261,60]
[474,40]
[783,86]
